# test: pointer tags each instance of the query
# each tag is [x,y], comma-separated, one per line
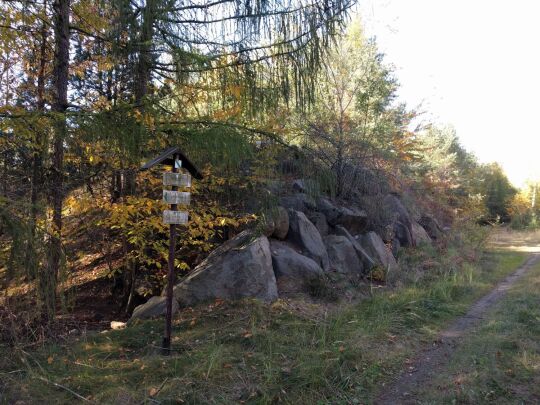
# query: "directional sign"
[175,217]
[176,197]
[176,179]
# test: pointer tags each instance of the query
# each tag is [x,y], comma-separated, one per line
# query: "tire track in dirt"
[433,359]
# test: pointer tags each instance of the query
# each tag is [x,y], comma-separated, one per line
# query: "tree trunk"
[61,71]
[37,161]
[144,64]
[142,76]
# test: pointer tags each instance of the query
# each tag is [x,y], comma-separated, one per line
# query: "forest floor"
[301,352]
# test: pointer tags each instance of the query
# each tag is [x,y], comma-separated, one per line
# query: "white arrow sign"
[176,197]
[176,179]
[175,217]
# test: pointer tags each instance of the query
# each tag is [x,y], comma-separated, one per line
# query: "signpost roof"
[167,158]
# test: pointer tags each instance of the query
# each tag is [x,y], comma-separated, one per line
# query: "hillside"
[230,202]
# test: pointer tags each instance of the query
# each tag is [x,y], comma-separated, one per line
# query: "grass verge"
[290,352]
[499,362]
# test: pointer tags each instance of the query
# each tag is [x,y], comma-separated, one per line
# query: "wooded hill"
[279,104]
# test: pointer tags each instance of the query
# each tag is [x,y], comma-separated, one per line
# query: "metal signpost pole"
[166,346]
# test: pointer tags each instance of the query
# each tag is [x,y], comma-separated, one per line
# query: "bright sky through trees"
[474,64]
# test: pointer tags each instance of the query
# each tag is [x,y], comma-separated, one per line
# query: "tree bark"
[37,160]
[61,72]
[145,61]
[143,77]
[40,105]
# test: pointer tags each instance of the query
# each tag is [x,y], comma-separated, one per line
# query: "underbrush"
[246,352]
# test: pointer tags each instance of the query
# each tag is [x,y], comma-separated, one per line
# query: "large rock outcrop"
[431,226]
[155,306]
[376,248]
[293,270]
[354,220]
[367,261]
[299,202]
[319,220]
[305,235]
[343,257]
[240,268]
[420,235]
[401,220]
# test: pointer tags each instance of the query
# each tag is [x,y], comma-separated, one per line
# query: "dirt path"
[432,360]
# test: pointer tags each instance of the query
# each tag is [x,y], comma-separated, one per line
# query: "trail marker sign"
[176,197]
[175,158]
[176,179]
[175,217]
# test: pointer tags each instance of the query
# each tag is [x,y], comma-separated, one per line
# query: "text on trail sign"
[175,217]
[176,179]
[176,197]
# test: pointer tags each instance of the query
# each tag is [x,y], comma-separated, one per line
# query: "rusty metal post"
[166,345]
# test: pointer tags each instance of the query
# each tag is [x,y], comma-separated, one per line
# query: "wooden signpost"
[174,157]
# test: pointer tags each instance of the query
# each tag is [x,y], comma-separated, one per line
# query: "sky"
[474,64]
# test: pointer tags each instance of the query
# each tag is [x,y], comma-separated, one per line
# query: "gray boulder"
[401,220]
[329,209]
[354,220]
[367,261]
[403,233]
[376,248]
[240,268]
[343,257]
[155,306]
[303,233]
[420,235]
[319,220]
[299,202]
[281,223]
[432,227]
[292,269]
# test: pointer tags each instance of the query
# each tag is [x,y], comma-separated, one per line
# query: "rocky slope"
[307,238]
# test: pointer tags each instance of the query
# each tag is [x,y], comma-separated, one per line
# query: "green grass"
[499,362]
[290,352]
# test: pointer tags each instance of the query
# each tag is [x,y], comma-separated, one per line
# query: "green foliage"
[498,193]
[136,225]
[447,169]
[142,78]
[354,121]
[456,179]
[23,254]
[15,236]
[523,209]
